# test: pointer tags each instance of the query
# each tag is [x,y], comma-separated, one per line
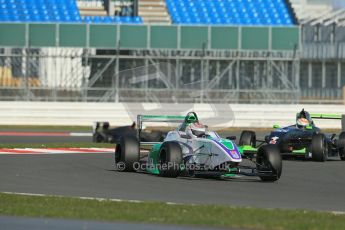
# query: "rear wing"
[331,117]
[326,116]
[155,118]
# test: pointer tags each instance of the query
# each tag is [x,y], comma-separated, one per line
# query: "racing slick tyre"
[319,148]
[127,154]
[341,145]
[98,138]
[247,138]
[269,163]
[170,159]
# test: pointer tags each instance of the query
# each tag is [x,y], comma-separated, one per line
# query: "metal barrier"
[129,37]
[222,116]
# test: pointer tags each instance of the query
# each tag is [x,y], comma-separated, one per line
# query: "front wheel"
[319,148]
[341,145]
[127,154]
[170,159]
[269,163]
[247,138]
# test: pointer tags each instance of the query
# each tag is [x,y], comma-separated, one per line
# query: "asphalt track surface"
[303,185]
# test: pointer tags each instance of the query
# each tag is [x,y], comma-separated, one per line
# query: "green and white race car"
[192,150]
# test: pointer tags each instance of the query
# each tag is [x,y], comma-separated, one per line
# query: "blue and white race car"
[303,138]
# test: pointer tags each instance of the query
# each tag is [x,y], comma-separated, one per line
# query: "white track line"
[28,151]
[79,197]
[337,213]
[80,134]
[50,151]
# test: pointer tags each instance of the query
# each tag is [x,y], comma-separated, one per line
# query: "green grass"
[50,128]
[161,213]
[57,145]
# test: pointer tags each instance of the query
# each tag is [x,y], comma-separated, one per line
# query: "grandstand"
[240,12]
[267,51]
[62,11]
[246,12]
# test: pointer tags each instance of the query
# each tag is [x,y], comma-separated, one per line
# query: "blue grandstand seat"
[63,11]
[237,12]
[88,19]
[116,19]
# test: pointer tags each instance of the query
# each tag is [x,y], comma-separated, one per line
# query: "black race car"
[302,139]
[102,133]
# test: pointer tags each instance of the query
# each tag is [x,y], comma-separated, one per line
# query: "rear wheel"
[319,148]
[98,138]
[269,163]
[127,154]
[341,145]
[247,138]
[170,159]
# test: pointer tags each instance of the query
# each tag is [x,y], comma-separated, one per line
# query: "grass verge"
[57,145]
[48,128]
[161,213]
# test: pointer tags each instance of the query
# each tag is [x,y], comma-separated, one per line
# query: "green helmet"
[191,118]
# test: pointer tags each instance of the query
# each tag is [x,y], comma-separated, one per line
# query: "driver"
[192,127]
[303,119]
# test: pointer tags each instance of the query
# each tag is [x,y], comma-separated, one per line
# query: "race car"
[102,133]
[194,151]
[302,139]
